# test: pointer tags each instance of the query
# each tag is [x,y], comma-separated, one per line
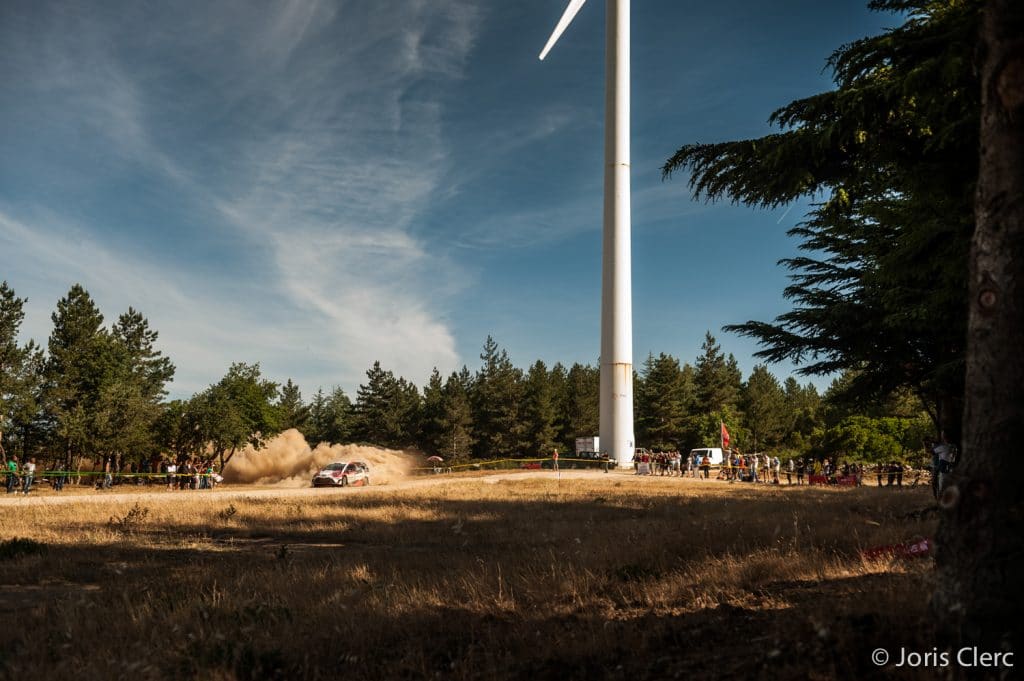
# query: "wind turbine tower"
[616,430]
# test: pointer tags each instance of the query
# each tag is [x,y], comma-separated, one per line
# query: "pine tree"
[387,409]
[129,402]
[803,406]
[582,411]
[432,434]
[331,418]
[144,362]
[718,378]
[21,380]
[79,362]
[316,425]
[663,403]
[340,418]
[539,412]
[892,152]
[410,413]
[457,437]
[376,417]
[558,379]
[294,413]
[12,355]
[764,407]
[496,399]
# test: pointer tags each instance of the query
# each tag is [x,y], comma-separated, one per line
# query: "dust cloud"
[288,461]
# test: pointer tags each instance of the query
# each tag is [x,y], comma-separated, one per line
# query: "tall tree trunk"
[978,598]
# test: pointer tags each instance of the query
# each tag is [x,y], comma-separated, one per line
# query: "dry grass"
[605,577]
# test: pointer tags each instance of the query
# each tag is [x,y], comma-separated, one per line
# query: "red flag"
[725,437]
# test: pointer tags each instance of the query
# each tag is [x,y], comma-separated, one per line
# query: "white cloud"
[337,148]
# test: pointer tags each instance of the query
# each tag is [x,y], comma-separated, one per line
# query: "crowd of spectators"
[771,469]
[192,473]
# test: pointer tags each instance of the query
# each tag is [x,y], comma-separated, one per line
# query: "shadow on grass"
[559,588]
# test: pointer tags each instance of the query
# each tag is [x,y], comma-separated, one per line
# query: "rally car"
[343,474]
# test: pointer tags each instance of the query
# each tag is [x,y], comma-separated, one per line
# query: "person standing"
[942,463]
[554,459]
[108,477]
[800,468]
[12,473]
[172,473]
[28,473]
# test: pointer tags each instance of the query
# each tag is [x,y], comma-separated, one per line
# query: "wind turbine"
[616,429]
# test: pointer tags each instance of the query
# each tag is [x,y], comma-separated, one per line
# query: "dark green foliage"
[665,398]
[457,421]
[21,381]
[12,355]
[496,399]
[331,418]
[78,361]
[387,409]
[539,414]
[893,151]
[432,423]
[294,414]
[97,395]
[236,411]
[144,363]
[717,377]
[765,410]
[581,403]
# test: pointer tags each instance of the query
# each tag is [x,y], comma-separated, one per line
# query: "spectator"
[943,456]
[108,478]
[12,473]
[172,474]
[28,473]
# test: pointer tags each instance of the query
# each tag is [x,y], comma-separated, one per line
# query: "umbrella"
[435,459]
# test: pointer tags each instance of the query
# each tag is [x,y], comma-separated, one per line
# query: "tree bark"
[978,598]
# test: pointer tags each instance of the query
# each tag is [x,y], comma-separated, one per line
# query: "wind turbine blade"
[563,23]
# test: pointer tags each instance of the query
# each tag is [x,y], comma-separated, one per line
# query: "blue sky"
[315,185]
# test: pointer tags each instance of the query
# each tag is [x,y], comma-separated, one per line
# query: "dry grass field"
[597,576]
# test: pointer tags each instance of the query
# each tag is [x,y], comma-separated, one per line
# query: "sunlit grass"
[457,580]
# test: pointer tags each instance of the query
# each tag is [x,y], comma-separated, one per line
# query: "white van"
[714,455]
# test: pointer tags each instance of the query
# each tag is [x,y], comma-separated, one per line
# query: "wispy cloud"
[200,333]
[333,148]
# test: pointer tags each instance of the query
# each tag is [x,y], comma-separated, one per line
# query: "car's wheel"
[344,481]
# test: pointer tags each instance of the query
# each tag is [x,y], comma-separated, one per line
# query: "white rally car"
[343,474]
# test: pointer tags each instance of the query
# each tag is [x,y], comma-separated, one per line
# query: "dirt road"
[71,495]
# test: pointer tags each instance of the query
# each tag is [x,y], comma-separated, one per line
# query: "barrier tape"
[481,464]
[83,474]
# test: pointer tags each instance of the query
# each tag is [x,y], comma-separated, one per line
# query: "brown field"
[513,576]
